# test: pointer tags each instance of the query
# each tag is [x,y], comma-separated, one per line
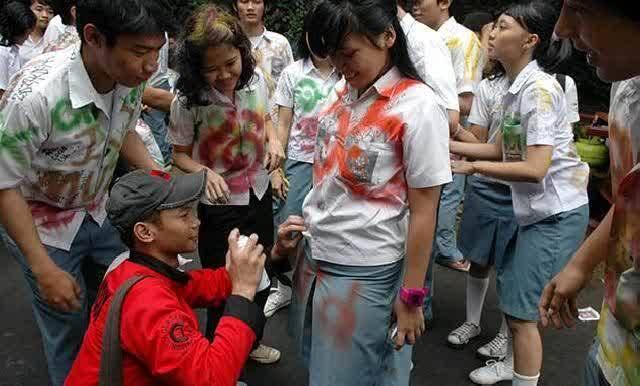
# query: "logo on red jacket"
[177,332]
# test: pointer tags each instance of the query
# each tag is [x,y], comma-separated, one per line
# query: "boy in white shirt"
[34,45]
[16,23]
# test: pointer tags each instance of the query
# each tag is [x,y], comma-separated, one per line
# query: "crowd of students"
[127,140]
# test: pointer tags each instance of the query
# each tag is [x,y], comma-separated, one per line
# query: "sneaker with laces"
[492,373]
[462,335]
[265,355]
[496,349]
[278,299]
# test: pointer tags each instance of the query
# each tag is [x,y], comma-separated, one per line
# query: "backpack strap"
[562,79]
[111,357]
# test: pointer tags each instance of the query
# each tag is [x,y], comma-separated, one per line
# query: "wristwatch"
[413,297]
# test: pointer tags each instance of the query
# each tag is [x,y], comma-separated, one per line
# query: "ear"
[93,37]
[143,232]
[531,42]
[72,11]
[388,38]
[444,4]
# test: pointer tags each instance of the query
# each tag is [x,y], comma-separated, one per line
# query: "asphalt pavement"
[22,361]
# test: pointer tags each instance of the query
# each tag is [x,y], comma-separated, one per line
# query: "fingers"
[567,318]
[399,340]
[545,301]
[233,239]
[573,308]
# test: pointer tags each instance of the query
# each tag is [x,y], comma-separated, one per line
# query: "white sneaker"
[496,349]
[493,372]
[265,355]
[278,299]
[462,335]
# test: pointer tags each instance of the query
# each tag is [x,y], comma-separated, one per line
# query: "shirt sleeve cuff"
[246,311]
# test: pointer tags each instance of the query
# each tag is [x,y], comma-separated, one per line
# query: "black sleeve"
[249,312]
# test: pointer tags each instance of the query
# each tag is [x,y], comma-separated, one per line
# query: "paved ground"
[22,361]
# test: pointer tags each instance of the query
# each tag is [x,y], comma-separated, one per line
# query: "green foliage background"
[285,17]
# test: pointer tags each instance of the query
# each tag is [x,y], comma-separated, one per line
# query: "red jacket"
[159,331]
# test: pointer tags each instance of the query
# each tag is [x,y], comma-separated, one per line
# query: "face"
[362,61]
[221,68]
[43,13]
[176,231]
[604,36]
[428,12]
[132,60]
[509,41]
[250,11]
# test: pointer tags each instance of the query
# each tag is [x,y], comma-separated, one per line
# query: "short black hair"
[16,19]
[127,236]
[63,8]
[119,17]
[476,20]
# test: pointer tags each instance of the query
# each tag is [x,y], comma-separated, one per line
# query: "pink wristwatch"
[413,297]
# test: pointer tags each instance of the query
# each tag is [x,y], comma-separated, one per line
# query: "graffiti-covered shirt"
[60,141]
[370,150]
[303,89]
[273,54]
[466,54]
[228,137]
[619,327]
[537,98]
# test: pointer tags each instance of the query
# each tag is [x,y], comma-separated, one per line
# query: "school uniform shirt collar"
[82,92]
[383,87]
[407,23]
[523,77]
[448,25]
[215,96]
[308,68]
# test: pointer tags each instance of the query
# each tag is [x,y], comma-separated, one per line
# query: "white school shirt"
[60,142]
[10,64]
[302,88]
[432,59]
[573,106]
[541,103]
[273,53]
[228,137]
[467,55]
[487,111]
[370,150]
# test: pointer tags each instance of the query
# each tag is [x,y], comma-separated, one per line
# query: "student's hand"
[217,190]
[275,155]
[279,184]
[558,302]
[411,324]
[289,235]
[462,167]
[59,289]
[245,265]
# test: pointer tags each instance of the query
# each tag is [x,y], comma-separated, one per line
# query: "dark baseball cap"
[137,194]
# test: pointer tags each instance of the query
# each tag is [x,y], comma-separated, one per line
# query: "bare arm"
[534,169]
[466,101]
[423,208]
[157,98]
[481,151]
[285,118]
[56,286]
[182,159]
[135,153]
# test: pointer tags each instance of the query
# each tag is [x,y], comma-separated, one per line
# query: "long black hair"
[333,20]
[16,19]
[539,17]
[303,46]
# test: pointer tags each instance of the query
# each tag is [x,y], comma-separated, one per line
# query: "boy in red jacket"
[159,334]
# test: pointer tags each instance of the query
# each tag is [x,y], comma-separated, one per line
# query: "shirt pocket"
[372,163]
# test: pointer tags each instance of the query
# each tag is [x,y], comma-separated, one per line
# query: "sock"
[504,327]
[476,292]
[523,380]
